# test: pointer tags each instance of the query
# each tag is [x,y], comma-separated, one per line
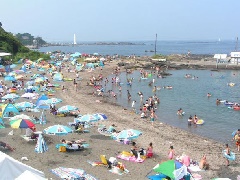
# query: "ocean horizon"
[146,48]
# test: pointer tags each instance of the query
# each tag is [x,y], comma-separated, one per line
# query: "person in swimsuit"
[171,153]
[228,153]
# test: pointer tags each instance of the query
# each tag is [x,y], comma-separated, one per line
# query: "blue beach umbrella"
[25,104]
[9,78]
[87,118]
[157,177]
[67,108]
[11,96]
[100,116]
[53,101]
[41,145]
[58,130]
[128,134]
[13,66]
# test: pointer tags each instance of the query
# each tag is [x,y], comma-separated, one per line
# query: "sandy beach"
[161,135]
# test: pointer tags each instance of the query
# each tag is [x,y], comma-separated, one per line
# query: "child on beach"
[171,153]
[227,150]
[152,116]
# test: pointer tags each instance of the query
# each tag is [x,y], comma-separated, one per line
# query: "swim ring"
[230,157]
[200,122]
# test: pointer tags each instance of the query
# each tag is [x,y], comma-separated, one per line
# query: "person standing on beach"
[152,116]
[171,153]
[237,139]
[227,150]
[133,105]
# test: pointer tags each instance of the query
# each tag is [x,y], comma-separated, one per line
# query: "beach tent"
[9,108]
[40,103]
[58,77]
[29,175]
[11,168]
[24,68]
[1,121]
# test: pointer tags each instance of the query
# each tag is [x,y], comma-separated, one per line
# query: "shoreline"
[162,136]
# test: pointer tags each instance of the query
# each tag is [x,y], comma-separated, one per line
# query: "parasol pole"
[148,173]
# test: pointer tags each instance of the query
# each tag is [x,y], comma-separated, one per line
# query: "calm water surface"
[190,95]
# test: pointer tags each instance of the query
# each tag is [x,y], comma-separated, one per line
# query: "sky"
[122,20]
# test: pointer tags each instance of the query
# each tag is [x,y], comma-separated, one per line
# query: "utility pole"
[156,45]
[236,49]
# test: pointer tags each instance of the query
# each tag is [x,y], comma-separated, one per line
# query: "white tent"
[29,175]
[11,168]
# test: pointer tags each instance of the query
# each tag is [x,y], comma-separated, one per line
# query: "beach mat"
[118,171]
[129,157]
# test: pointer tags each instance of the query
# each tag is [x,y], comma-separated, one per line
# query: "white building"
[221,58]
[235,57]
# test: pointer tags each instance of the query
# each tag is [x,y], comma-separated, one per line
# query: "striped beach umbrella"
[21,123]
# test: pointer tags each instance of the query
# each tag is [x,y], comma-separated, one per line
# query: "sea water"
[147,48]
[190,95]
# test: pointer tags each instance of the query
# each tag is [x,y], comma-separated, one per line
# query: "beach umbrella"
[100,116]
[20,116]
[58,130]
[13,66]
[171,168]
[19,77]
[9,78]
[52,101]
[41,145]
[11,96]
[157,177]
[21,123]
[128,134]
[87,118]
[30,95]
[30,83]
[25,104]
[1,126]
[42,118]
[38,80]
[19,71]
[67,108]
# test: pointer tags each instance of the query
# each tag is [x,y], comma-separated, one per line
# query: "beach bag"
[62,149]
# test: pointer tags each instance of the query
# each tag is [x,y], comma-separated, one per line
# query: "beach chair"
[28,139]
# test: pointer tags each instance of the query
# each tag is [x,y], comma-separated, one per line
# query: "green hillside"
[10,44]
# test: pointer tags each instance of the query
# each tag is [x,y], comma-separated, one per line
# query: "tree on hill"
[28,40]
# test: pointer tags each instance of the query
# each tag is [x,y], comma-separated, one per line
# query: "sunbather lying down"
[80,141]
[6,146]
[74,147]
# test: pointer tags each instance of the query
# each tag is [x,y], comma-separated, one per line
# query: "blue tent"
[23,68]
[1,121]
[9,108]
[40,103]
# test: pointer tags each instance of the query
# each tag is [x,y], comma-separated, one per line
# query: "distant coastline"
[94,43]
